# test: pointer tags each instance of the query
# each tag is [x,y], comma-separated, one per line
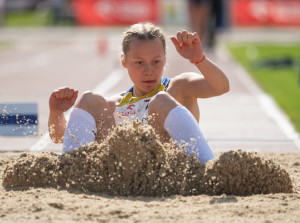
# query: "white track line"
[267,103]
[105,86]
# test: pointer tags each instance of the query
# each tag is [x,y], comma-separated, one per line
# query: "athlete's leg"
[159,108]
[199,14]
[170,118]
[98,107]
[91,120]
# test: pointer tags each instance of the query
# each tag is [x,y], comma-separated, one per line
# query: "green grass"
[27,18]
[282,83]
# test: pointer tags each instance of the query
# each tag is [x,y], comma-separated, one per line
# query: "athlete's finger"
[190,40]
[61,93]
[55,94]
[176,43]
[179,38]
[195,38]
[74,97]
[66,93]
[70,94]
[62,88]
[184,36]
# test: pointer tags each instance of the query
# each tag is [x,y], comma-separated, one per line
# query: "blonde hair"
[142,31]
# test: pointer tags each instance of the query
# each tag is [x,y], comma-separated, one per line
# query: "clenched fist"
[62,99]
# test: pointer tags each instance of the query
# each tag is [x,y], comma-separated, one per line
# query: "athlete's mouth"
[149,82]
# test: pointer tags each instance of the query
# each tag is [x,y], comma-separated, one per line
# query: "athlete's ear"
[123,61]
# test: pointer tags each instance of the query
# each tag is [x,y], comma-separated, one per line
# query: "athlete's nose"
[148,70]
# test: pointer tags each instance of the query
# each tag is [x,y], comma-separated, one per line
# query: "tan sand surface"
[145,181]
[52,205]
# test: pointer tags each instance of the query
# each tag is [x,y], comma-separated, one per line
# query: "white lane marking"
[110,82]
[267,103]
[42,143]
[105,86]
[271,108]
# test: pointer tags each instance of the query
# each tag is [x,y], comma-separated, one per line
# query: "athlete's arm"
[213,82]
[61,100]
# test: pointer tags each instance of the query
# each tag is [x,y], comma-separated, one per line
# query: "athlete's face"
[145,61]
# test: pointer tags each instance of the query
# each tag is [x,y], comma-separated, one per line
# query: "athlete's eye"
[157,61]
[138,62]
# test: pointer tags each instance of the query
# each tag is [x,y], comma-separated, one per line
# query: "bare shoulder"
[114,100]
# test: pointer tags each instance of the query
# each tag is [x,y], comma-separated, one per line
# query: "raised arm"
[60,101]
[214,83]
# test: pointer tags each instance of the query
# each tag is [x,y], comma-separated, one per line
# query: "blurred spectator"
[56,8]
[206,16]
[216,21]
[62,12]
[199,14]
[22,5]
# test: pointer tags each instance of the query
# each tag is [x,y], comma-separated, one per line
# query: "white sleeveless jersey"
[133,108]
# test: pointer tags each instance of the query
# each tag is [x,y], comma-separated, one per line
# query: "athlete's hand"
[188,45]
[62,99]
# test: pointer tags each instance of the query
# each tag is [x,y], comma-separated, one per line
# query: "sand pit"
[53,188]
[132,177]
[133,162]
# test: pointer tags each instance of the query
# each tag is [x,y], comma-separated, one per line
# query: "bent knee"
[90,100]
[160,98]
[162,101]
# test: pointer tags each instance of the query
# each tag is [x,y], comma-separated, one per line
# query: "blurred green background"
[27,18]
[276,68]
[20,13]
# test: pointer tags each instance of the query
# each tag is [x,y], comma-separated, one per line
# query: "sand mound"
[132,161]
[247,173]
